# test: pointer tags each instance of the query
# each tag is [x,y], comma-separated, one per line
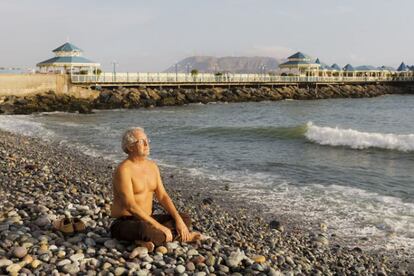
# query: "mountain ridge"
[211,64]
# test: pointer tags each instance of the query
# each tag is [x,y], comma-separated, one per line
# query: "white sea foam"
[28,126]
[357,139]
[57,113]
[351,213]
[68,124]
[25,125]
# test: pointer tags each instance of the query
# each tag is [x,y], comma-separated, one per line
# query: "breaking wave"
[359,140]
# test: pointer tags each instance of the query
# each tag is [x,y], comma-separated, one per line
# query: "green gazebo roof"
[66,60]
[67,47]
[296,62]
[348,68]
[298,55]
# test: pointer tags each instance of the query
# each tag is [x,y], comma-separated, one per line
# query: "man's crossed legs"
[129,228]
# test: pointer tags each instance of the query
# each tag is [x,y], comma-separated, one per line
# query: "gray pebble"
[190,266]
[90,242]
[142,272]
[180,269]
[257,267]
[64,262]
[42,221]
[4,227]
[273,272]
[140,251]
[235,258]
[119,271]
[19,252]
[172,245]
[192,252]
[77,257]
[224,268]
[71,268]
[5,262]
[110,244]
[13,269]
[132,265]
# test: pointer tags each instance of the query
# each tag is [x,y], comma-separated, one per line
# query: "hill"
[207,64]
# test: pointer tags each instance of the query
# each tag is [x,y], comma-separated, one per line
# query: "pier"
[210,79]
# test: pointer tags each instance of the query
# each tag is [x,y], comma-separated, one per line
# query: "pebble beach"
[41,181]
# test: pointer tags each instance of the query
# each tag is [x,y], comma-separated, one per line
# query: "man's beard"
[144,153]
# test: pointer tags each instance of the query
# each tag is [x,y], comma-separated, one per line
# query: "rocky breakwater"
[123,97]
[41,181]
[44,102]
[149,97]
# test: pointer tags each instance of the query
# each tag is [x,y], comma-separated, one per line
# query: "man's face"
[141,147]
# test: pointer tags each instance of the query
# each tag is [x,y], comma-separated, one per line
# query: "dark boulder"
[275,224]
[169,101]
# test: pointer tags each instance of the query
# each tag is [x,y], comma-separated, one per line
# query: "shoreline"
[226,197]
[39,172]
[142,97]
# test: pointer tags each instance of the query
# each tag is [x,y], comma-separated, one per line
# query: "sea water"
[345,162]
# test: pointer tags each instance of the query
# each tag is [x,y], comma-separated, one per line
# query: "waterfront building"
[68,58]
[372,71]
[403,70]
[335,67]
[348,71]
[324,70]
[335,70]
[301,64]
[328,71]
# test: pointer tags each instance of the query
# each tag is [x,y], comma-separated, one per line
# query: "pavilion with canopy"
[301,64]
[68,59]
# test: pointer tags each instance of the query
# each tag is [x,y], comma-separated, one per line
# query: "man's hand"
[182,230]
[167,232]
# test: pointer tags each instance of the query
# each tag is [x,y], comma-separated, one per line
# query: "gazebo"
[67,60]
[369,71]
[403,70]
[402,67]
[348,70]
[324,70]
[335,67]
[302,64]
[336,70]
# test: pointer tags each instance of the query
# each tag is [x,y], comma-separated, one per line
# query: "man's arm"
[126,194]
[163,197]
[166,202]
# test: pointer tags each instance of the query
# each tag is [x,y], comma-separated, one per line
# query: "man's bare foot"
[193,237]
[149,245]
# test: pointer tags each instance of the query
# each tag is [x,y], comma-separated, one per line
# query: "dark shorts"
[129,228]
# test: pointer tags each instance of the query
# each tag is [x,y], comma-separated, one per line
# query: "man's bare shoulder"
[124,166]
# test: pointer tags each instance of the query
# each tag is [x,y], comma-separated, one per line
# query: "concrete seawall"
[27,84]
[21,85]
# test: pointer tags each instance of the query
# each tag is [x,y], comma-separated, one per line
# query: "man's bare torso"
[144,178]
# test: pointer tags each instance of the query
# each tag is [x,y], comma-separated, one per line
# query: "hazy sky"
[152,35]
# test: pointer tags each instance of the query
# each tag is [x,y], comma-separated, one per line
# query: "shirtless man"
[135,182]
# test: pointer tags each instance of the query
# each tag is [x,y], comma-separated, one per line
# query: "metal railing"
[163,78]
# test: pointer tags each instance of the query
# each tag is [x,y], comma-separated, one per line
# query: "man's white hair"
[128,138]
